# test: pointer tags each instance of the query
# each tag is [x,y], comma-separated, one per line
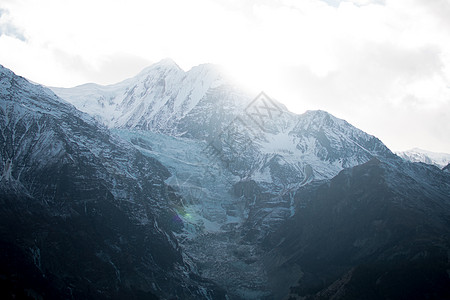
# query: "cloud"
[398,94]
[7,28]
[440,9]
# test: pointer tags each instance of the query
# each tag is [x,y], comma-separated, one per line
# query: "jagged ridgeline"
[177,184]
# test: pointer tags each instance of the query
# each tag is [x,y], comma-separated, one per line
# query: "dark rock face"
[446,168]
[375,231]
[83,215]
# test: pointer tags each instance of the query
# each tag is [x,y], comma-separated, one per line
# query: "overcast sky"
[384,66]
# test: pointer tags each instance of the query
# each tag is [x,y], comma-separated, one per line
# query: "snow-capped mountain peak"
[440,160]
[155,98]
[166,62]
[202,104]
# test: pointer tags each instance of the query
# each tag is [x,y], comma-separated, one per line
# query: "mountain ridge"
[133,102]
[218,107]
[245,198]
[439,160]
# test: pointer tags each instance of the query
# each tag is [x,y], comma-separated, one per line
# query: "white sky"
[384,66]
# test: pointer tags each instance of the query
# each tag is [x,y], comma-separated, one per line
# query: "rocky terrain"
[177,184]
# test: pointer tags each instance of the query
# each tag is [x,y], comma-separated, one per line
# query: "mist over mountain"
[176,184]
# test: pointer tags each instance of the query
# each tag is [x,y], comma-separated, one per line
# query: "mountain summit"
[156,98]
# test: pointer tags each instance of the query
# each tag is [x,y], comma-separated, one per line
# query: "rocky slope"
[446,168]
[376,231]
[83,214]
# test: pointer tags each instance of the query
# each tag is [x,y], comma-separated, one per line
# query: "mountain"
[447,168]
[376,231]
[156,98]
[221,194]
[440,160]
[256,140]
[204,105]
[236,160]
[83,214]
